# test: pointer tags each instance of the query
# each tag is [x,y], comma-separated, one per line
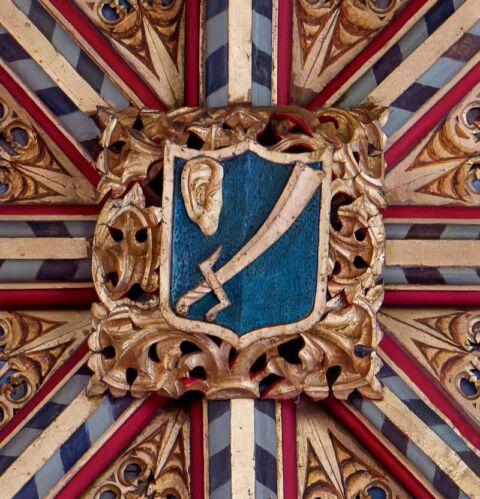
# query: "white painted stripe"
[242,430]
[239,51]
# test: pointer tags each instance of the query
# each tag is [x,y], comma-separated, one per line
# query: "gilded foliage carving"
[156,465]
[444,169]
[150,34]
[446,344]
[134,347]
[328,34]
[333,465]
[32,346]
[29,172]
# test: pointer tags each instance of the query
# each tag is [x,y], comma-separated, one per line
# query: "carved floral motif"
[156,465]
[29,172]
[136,350]
[32,346]
[328,34]
[149,34]
[333,465]
[447,345]
[444,169]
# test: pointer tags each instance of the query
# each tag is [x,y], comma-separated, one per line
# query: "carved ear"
[202,192]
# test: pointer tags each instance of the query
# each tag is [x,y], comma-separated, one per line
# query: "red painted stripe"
[289,448]
[430,388]
[375,45]
[197,466]
[52,298]
[192,53]
[64,371]
[103,48]
[432,298]
[434,115]
[411,212]
[284,52]
[112,448]
[67,147]
[50,209]
[383,455]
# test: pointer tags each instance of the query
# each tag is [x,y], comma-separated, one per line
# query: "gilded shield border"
[193,326]
[135,349]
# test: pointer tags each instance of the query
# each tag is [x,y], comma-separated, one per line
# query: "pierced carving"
[29,171]
[447,345]
[156,465]
[330,33]
[445,167]
[32,347]
[141,345]
[333,465]
[150,35]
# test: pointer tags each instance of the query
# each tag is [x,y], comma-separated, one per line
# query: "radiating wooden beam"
[53,63]
[44,248]
[432,253]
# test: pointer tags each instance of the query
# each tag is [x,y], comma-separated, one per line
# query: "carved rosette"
[135,349]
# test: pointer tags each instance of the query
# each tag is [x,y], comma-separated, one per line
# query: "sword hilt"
[211,283]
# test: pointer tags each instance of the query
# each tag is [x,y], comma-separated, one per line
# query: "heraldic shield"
[244,241]
[239,253]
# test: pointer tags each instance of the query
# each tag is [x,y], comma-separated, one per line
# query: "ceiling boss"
[239,253]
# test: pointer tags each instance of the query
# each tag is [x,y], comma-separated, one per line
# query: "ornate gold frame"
[134,346]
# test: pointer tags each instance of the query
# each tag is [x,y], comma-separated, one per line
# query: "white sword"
[300,188]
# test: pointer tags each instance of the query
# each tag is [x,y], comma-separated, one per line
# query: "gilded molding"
[29,170]
[156,464]
[329,34]
[445,167]
[445,343]
[333,464]
[149,35]
[138,347]
[32,347]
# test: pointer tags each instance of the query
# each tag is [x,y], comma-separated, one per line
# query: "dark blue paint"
[74,448]
[216,70]
[42,19]
[261,67]
[277,288]
[10,50]
[438,14]
[45,415]
[263,7]
[215,7]
[28,491]
[382,68]
[56,101]
[414,97]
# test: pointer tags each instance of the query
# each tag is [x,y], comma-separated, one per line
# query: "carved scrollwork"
[446,344]
[156,465]
[31,348]
[333,465]
[444,169]
[136,350]
[329,33]
[149,33]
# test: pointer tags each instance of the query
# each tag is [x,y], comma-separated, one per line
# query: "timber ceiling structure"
[375,101]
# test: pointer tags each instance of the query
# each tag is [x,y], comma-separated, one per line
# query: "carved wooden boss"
[239,253]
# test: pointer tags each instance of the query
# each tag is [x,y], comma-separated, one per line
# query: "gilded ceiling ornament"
[32,347]
[446,344]
[29,171]
[445,167]
[150,35]
[333,465]
[155,465]
[239,253]
[327,34]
